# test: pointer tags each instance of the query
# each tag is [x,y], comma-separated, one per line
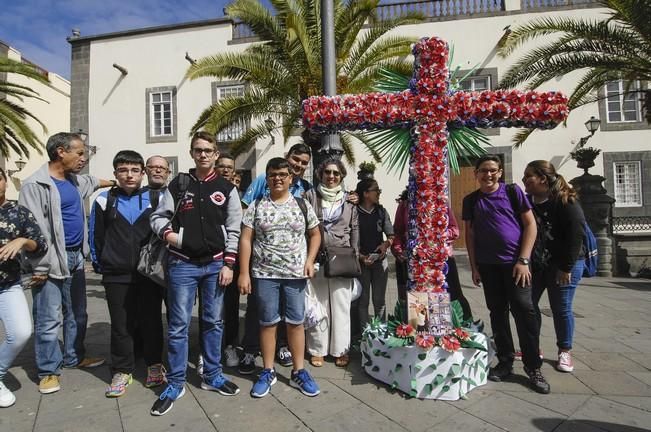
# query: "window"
[220,92]
[628,184]
[622,106]
[477,83]
[161,114]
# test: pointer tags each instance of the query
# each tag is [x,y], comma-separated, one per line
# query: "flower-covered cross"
[429,107]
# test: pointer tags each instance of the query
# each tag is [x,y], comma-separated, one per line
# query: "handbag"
[153,261]
[341,262]
[314,310]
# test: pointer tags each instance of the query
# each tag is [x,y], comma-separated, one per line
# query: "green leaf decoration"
[442,360]
[481,364]
[438,380]
[428,389]
[398,367]
[375,369]
[413,383]
[395,342]
[471,381]
[455,380]
[413,393]
[445,388]
[457,313]
[455,369]
[418,367]
[474,345]
[385,354]
[482,375]
[432,366]
[376,352]
[422,356]
[394,385]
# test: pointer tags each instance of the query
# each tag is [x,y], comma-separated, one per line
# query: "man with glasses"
[226,166]
[55,194]
[158,170]
[119,226]
[199,217]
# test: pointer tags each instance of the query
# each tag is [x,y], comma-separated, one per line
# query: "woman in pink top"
[399,246]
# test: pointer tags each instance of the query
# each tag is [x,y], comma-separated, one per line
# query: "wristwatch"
[523,260]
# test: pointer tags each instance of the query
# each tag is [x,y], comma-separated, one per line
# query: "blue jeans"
[184,278]
[560,300]
[75,316]
[268,296]
[14,314]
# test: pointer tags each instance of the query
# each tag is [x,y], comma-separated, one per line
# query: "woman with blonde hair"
[558,262]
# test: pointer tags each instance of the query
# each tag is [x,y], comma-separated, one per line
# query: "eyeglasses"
[282,175]
[488,171]
[127,171]
[332,173]
[207,151]
[375,190]
[157,168]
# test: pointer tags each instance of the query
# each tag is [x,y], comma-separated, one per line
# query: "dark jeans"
[135,309]
[501,295]
[560,300]
[374,288]
[402,276]
[454,288]
[251,337]
[231,312]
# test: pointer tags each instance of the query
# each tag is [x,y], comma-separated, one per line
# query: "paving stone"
[613,383]
[643,403]
[640,358]
[362,418]
[513,414]
[612,416]
[638,343]
[608,361]
[463,422]
[605,345]
[645,377]
[564,404]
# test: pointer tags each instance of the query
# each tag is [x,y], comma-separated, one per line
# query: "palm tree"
[284,68]
[15,133]
[618,47]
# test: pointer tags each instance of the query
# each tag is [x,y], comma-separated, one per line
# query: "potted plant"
[585,157]
[366,170]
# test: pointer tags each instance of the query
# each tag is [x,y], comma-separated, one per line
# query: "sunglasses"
[332,173]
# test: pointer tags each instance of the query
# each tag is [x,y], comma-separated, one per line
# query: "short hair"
[61,139]
[3,174]
[203,135]
[299,149]
[128,157]
[237,174]
[226,155]
[331,161]
[364,185]
[157,156]
[487,158]
[277,163]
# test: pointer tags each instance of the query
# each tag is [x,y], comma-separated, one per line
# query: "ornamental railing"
[631,224]
[531,5]
[242,31]
[439,8]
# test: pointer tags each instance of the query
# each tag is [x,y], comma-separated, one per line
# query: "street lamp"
[592,125]
[270,125]
[20,164]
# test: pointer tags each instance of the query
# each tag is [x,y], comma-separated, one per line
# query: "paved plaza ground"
[610,389]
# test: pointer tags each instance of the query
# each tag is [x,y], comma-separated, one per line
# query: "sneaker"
[266,379]
[500,372]
[565,363]
[537,381]
[518,355]
[166,400]
[49,384]
[200,366]
[230,356]
[118,385]
[247,364]
[155,375]
[90,362]
[7,398]
[303,381]
[285,357]
[221,385]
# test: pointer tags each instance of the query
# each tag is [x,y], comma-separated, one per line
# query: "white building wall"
[54,112]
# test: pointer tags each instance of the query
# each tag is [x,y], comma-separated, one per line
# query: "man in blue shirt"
[299,156]
[54,194]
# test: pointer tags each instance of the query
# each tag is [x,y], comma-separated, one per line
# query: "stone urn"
[585,157]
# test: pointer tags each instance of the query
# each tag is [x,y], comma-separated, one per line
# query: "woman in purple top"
[500,233]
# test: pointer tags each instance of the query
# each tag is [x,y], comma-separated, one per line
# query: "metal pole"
[330,144]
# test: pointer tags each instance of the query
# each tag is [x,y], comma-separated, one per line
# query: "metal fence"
[527,5]
[631,224]
[439,8]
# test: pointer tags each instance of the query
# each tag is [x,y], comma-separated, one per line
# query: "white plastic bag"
[357,290]
[314,310]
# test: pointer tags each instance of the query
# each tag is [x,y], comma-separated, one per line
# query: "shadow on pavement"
[560,424]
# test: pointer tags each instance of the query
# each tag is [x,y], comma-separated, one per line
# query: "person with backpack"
[375,238]
[340,225]
[199,217]
[558,258]
[118,228]
[500,234]
[279,244]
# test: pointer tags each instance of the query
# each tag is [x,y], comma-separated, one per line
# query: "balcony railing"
[532,5]
[242,31]
[439,8]
[631,224]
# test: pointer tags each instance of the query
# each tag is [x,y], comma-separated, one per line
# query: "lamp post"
[20,164]
[592,125]
[270,125]
[330,143]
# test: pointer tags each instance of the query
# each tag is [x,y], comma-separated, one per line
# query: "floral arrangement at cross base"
[423,365]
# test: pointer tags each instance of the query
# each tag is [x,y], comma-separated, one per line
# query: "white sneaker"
[565,363]
[230,356]
[7,398]
[200,366]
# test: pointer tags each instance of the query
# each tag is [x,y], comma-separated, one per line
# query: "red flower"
[450,343]
[404,330]
[461,334]
[425,341]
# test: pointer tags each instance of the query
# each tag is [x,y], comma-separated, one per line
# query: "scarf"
[330,196]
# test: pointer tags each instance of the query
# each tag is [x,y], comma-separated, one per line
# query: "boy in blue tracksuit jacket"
[119,227]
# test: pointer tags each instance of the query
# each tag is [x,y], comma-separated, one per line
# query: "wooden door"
[461,185]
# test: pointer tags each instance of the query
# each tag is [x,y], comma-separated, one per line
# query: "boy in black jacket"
[119,227]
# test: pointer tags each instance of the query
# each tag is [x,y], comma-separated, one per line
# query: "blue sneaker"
[221,385]
[303,381]
[266,379]
[165,401]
